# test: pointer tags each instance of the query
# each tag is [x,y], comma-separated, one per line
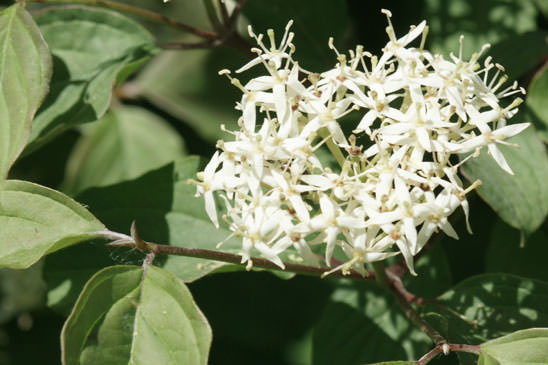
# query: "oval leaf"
[528,346]
[361,323]
[521,200]
[25,71]
[484,22]
[166,211]
[537,96]
[129,315]
[103,46]
[309,23]
[521,53]
[126,143]
[485,359]
[488,299]
[35,220]
[504,253]
[204,100]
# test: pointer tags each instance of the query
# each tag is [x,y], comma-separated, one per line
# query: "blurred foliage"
[178,99]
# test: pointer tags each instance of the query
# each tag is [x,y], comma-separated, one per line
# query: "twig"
[198,45]
[237,259]
[235,13]
[224,11]
[148,260]
[446,349]
[144,13]
[395,278]
[403,301]
[387,278]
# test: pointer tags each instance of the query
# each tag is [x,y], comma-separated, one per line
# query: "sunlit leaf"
[128,315]
[91,48]
[126,143]
[188,86]
[528,346]
[35,220]
[521,200]
[537,96]
[25,71]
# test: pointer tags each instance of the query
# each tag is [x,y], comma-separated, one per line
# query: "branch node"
[446,349]
[139,243]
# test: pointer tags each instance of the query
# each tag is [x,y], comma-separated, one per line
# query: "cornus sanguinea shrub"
[414,111]
[360,169]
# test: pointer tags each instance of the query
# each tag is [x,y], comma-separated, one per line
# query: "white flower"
[415,109]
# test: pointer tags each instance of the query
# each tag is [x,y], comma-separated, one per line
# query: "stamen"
[270,33]
[423,38]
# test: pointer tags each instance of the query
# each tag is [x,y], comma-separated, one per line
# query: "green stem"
[144,13]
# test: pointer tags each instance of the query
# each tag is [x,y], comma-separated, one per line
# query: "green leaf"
[35,221]
[124,144]
[21,291]
[500,303]
[363,323]
[528,346]
[91,48]
[66,273]
[267,307]
[537,95]
[309,25]
[485,359]
[479,22]
[521,53]
[128,315]
[188,86]
[25,72]
[543,7]
[431,267]
[504,253]
[520,200]
[166,211]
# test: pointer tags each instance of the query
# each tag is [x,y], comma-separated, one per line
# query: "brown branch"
[235,13]
[237,259]
[446,349]
[395,278]
[224,11]
[197,45]
[403,300]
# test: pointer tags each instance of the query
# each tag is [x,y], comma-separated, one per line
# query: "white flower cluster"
[413,110]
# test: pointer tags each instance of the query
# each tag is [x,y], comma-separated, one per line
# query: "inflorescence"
[397,181]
